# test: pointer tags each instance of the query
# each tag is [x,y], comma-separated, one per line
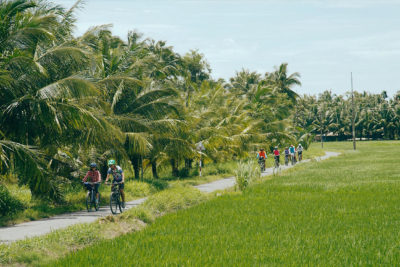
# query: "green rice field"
[344,211]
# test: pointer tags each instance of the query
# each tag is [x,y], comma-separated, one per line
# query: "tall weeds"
[246,173]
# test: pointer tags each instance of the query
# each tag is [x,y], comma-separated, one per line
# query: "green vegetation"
[376,115]
[338,212]
[66,101]
[43,249]
[246,173]
[8,204]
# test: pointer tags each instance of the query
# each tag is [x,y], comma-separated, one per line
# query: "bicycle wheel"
[89,201]
[113,203]
[121,209]
[97,203]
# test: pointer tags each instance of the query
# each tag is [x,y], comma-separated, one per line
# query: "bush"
[8,204]
[183,173]
[246,173]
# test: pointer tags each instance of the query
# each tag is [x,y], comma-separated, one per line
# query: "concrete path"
[230,182]
[44,226]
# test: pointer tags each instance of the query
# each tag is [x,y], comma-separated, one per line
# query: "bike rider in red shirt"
[261,156]
[276,154]
[93,176]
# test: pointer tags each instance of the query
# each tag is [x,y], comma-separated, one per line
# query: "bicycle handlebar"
[91,183]
[108,183]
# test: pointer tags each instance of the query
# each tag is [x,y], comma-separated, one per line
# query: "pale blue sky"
[324,40]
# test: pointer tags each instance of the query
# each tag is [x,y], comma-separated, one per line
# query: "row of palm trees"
[376,115]
[66,101]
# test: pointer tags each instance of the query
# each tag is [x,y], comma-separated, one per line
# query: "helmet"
[299,144]
[276,147]
[262,149]
[111,162]
[93,165]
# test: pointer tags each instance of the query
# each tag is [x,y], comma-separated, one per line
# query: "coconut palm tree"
[284,82]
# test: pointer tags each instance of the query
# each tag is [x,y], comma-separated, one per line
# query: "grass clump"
[246,173]
[176,198]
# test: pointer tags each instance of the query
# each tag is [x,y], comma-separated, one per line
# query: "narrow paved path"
[230,182]
[44,226]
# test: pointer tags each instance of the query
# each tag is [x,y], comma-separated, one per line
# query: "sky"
[323,40]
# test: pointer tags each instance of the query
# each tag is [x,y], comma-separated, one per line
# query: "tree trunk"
[154,168]
[188,163]
[175,171]
[136,165]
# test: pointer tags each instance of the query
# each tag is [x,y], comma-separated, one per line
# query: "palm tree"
[42,90]
[284,82]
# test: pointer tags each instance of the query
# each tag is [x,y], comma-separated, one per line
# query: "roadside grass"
[343,211]
[41,250]
[74,201]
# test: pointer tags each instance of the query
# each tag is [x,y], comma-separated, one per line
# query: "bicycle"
[286,159]
[293,159]
[300,156]
[276,161]
[91,200]
[115,198]
[261,161]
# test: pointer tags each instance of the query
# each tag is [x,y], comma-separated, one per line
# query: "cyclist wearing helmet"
[292,151]
[287,154]
[118,176]
[94,176]
[261,154]
[276,154]
[300,152]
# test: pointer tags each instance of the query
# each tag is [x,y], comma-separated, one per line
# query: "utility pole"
[353,115]
[321,125]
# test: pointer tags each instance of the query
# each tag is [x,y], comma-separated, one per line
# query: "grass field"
[343,211]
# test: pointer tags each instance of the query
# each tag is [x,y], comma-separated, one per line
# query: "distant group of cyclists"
[290,155]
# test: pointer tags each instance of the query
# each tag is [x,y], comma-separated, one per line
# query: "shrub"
[8,204]
[183,173]
[246,173]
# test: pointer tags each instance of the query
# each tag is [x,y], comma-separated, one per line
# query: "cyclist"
[300,152]
[276,155]
[261,156]
[118,176]
[292,152]
[94,176]
[287,153]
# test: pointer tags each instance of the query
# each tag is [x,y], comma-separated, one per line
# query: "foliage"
[376,115]
[66,101]
[8,204]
